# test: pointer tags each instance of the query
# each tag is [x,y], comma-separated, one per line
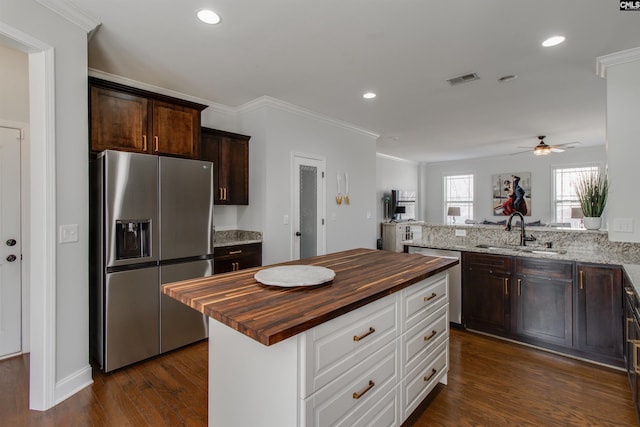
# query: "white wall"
[278,130]
[623,137]
[71,195]
[14,85]
[395,174]
[541,180]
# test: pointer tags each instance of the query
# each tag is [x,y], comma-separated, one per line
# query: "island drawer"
[330,349]
[424,298]
[419,383]
[423,338]
[358,390]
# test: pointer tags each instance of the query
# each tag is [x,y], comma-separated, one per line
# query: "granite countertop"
[269,314]
[597,256]
[236,237]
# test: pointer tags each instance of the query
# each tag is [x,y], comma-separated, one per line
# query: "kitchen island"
[368,346]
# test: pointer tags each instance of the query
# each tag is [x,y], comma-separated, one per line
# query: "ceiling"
[323,55]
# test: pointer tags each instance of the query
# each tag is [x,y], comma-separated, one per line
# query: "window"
[458,193]
[564,198]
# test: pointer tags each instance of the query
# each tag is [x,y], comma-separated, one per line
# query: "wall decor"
[511,193]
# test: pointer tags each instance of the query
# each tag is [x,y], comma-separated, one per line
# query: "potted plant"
[592,191]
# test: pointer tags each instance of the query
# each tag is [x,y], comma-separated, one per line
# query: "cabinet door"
[176,130]
[486,290]
[543,309]
[599,310]
[119,121]
[234,167]
[230,154]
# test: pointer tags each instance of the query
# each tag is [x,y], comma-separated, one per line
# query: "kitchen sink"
[502,247]
[515,248]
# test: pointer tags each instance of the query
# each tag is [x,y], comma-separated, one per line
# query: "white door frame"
[42,223]
[295,204]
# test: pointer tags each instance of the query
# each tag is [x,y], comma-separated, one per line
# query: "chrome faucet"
[523,238]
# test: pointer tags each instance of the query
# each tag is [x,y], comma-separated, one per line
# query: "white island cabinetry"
[371,366]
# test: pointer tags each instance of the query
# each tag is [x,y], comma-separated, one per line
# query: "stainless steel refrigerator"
[151,223]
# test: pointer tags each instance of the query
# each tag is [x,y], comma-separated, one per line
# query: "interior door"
[309,207]
[10,254]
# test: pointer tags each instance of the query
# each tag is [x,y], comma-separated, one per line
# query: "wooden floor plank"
[490,383]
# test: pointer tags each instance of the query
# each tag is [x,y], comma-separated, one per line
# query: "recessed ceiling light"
[553,41]
[208,16]
[369,95]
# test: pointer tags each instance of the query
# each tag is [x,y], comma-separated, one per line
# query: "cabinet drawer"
[545,268]
[384,412]
[336,346]
[423,338]
[237,250]
[423,298]
[486,262]
[358,390]
[417,385]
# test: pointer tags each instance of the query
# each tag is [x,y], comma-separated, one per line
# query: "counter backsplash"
[230,237]
[568,239]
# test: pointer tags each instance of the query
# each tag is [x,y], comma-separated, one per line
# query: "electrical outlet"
[461,233]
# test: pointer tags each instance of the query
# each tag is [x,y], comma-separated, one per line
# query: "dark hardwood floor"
[491,383]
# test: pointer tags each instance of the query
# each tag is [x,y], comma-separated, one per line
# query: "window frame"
[573,202]
[458,203]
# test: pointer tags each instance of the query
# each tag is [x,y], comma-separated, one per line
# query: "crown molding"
[151,88]
[267,101]
[605,61]
[394,158]
[72,13]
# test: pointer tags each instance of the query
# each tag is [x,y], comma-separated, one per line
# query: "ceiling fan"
[542,149]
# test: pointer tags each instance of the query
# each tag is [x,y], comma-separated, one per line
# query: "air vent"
[463,79]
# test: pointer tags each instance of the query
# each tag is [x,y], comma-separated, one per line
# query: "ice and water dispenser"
[133,239]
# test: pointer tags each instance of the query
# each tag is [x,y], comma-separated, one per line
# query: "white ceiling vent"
[463,79]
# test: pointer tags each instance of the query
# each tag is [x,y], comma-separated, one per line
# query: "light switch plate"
[623,225]
[68,233]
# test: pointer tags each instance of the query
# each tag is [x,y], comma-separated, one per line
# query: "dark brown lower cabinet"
[599,310]
[570,307]
[238,257]
[631,342]
[543,303]
[485,292]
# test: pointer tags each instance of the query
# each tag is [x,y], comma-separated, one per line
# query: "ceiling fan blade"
[557,149]
[528,150]
[566,144]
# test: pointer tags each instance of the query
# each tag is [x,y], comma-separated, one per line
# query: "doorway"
[10,243]
[308,200]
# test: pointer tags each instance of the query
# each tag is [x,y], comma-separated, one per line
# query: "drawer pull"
[363,336]
[433,372]
[235,252]
[433,334]
[357,395]
[433,295]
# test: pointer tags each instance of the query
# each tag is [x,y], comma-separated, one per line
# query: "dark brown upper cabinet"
[229,153]
[130,119]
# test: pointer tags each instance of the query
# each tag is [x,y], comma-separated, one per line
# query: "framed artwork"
[511,193]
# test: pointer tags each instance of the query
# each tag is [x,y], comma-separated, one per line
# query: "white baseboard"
[72,384]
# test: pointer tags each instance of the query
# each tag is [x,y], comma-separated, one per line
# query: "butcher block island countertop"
[270,314]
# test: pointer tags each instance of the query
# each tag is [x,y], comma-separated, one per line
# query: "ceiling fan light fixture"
[541,149]
[369,95]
